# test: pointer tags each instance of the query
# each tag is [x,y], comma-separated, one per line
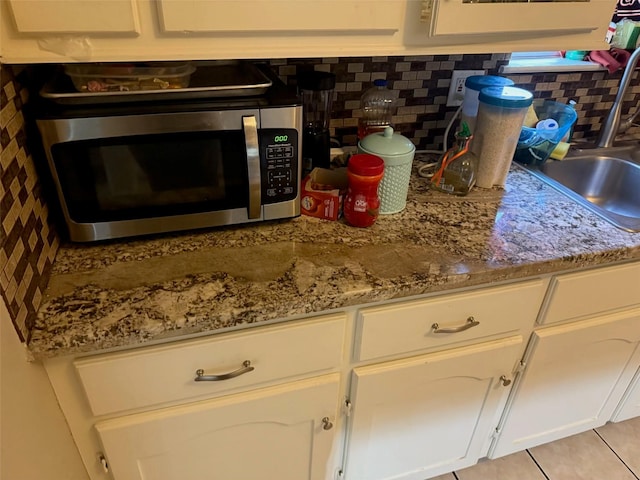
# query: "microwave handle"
[250,128]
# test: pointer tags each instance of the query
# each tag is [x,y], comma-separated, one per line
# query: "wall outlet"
[456,89]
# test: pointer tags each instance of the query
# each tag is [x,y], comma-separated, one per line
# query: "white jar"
[501,111]
[397,152]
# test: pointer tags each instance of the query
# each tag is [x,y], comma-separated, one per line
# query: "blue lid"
[379,82]
[478,82]
[507,97]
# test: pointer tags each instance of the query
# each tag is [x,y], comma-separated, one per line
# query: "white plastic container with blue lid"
[501,112]
[472,87]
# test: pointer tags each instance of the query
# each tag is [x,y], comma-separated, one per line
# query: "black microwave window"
[152,175]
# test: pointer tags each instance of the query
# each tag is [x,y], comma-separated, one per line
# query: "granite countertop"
[133,292]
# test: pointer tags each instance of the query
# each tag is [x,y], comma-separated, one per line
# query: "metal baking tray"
[214,79]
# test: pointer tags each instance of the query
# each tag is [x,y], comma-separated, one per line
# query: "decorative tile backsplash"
[594,92]
[422,84]
[28,241]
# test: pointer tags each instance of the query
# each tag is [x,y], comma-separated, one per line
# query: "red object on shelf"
[362,203]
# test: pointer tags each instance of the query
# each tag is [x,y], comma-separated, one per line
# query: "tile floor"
[611,452]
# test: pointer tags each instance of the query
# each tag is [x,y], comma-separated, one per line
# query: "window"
[546,61]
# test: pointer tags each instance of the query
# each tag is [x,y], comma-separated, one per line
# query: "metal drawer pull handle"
[505,381]
[471,322]
[326,423]
[201,377]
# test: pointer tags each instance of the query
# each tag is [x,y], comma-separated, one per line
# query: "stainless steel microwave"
[129,170]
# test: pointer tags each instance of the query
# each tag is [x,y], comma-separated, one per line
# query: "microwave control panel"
[279,164]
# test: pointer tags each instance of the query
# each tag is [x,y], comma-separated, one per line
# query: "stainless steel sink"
[604,180]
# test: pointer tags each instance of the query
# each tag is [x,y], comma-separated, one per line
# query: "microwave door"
[250,128]
[122,176]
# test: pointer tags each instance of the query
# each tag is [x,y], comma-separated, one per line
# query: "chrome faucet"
[613,123]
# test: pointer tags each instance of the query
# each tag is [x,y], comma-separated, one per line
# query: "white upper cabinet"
[465,17]
[179,16]
[139,30]
[200,29]
[508,25]
[75,16]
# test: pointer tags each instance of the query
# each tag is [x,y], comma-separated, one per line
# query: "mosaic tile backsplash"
[422,85]
[28,241]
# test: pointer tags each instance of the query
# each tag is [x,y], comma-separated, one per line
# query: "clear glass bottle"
[378,106]
[456,172]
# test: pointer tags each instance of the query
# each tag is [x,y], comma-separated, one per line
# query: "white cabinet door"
[465,17]
[630,405]
[75,16]
[574,378]
[427,415]
[272,433]
[508,25]
[210,16]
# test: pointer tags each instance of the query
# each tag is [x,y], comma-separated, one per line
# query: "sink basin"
[604,180]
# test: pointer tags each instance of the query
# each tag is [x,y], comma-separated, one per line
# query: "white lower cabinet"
[285,432]
[574,378]
[422,416]
[428,386]
[257,403]
[630,405]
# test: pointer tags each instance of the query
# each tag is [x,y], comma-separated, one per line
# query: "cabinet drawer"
[408,327]
[153,375]
[589,293]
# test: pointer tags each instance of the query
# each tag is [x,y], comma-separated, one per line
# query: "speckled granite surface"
[128,293]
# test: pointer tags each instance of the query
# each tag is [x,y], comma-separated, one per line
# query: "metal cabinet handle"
[471,322]
[250,127]
[505,381]
[201,377]
[326,423]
